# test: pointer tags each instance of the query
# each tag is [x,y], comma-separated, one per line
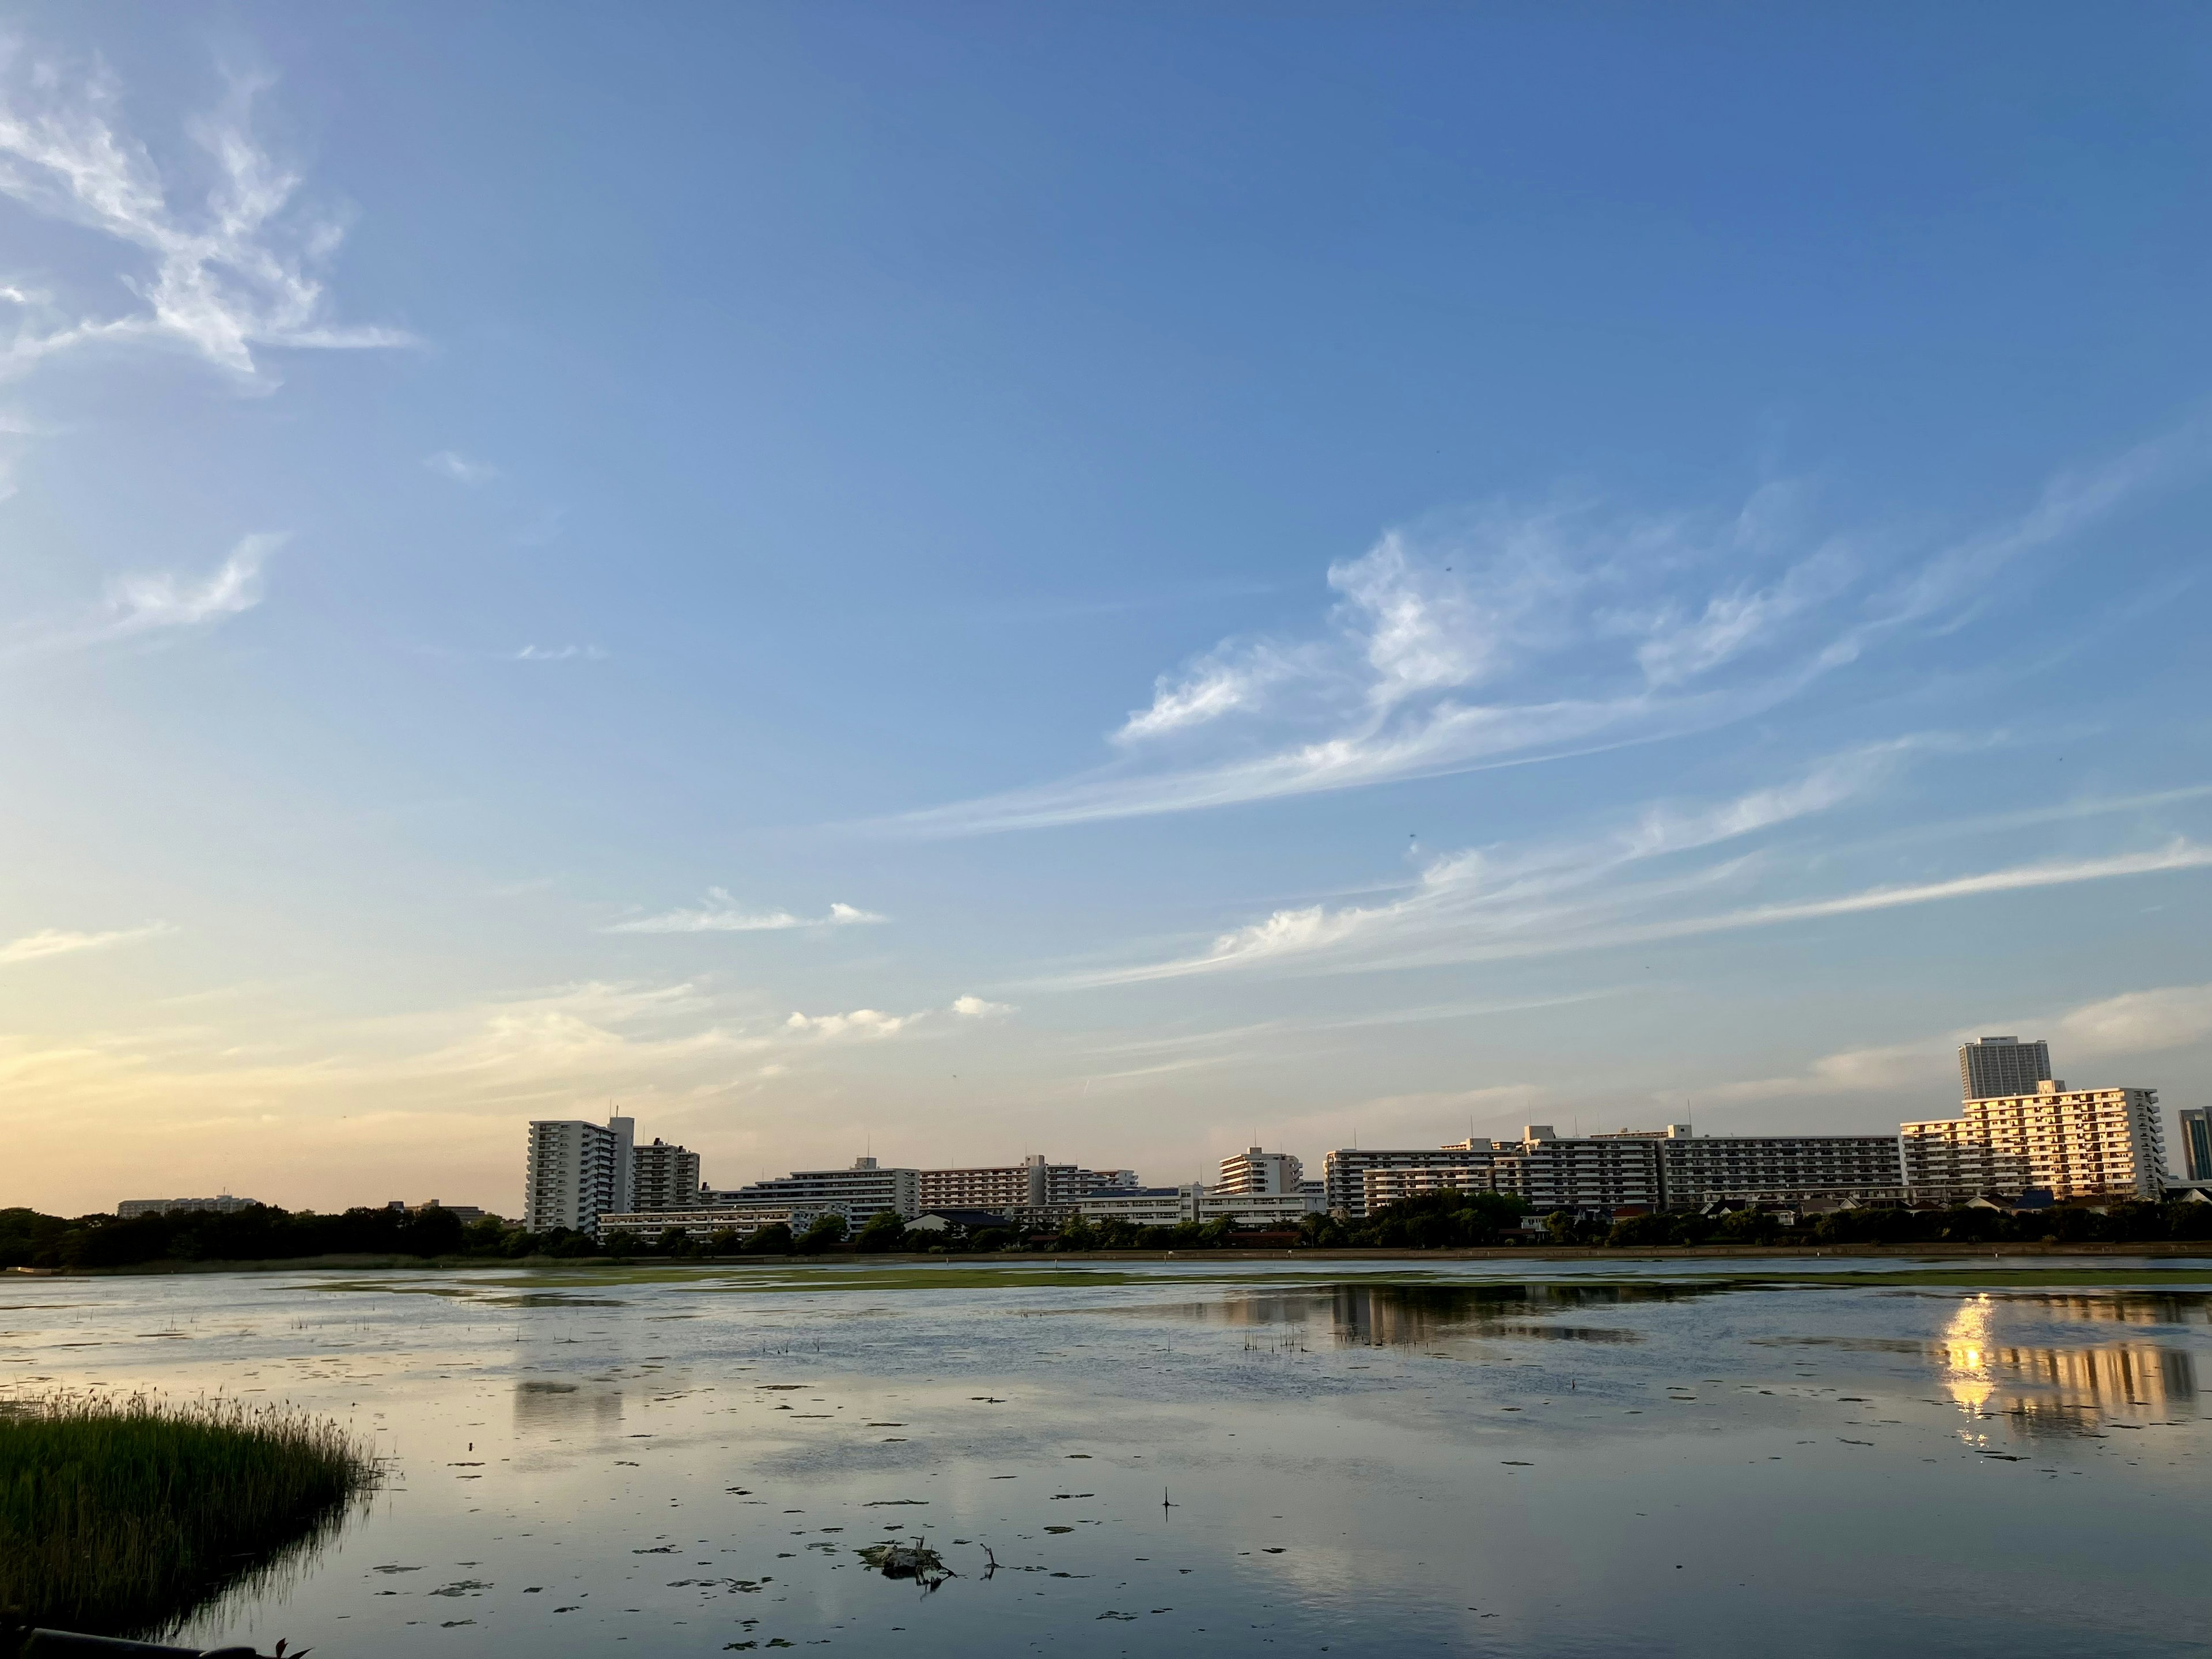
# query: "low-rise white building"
[223,1204]
[1169,1207]
[702,1222]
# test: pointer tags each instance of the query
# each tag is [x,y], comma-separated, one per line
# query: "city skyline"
[826,589]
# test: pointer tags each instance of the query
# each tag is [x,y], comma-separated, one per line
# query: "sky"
[1115,580]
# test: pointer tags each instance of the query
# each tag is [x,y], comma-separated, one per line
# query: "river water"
[1223,1458]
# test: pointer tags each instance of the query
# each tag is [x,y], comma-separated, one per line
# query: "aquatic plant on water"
[120,1515]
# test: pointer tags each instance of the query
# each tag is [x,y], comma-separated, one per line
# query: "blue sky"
[1112,580]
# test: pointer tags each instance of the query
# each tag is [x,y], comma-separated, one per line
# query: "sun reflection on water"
[2053,1391]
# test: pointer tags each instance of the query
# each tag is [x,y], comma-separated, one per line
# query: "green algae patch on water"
[122,1516]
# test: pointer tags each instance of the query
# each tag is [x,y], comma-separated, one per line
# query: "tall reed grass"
[119,1515]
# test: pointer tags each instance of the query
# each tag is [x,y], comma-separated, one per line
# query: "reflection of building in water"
[2049,1390]
[1408,1316]
[2122,1307]
[565,1406]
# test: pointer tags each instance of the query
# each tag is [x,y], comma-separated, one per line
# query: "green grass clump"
[120,1516]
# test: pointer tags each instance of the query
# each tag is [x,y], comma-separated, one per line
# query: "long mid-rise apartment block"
[1696,1170]
[1033,1190]
[1346,1172]
[858,1193]
[1630,1169]
[1582,1172]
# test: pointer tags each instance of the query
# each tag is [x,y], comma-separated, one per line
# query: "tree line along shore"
[1442,1221]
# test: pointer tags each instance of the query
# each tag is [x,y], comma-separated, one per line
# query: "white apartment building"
[2078,1143]
[1593,1172]
[1387,1186]
[1255,1172]
[1345,1171]
[224,1204]
[578,1172]
[664,1177]
[1695,1170]
[1033,1188]
[1950,1160]
[858,1193]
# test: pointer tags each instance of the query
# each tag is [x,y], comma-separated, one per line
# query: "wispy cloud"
[722,915]
[1497,903]
[238,272]
[451,463]
[55,942]
[872,1023]
[1512,635]
[1529,894]
[559,654]
[156,602]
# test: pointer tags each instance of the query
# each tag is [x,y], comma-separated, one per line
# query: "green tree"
[1640,1231]
[1748,1226]
[827,1232]
[773,1239]
[1077,1234]
[886,1230]
[723,1241]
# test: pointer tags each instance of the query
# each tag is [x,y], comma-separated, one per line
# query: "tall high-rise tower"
[2197,1142]
[578,1172]
[1997,1066]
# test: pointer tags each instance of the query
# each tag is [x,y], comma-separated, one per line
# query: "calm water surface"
[1176,1458]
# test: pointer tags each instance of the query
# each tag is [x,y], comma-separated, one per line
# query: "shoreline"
[2160,1249]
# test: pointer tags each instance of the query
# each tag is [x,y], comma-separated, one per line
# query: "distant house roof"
[971,1220]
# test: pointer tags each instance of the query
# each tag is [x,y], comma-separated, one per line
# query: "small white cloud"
[55,942]
[451,463]
[137,604]
[721,914]
[873,1023]
[861,1022]
[559,654]
[152,602]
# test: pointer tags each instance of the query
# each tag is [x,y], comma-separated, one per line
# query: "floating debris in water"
[915,1561]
